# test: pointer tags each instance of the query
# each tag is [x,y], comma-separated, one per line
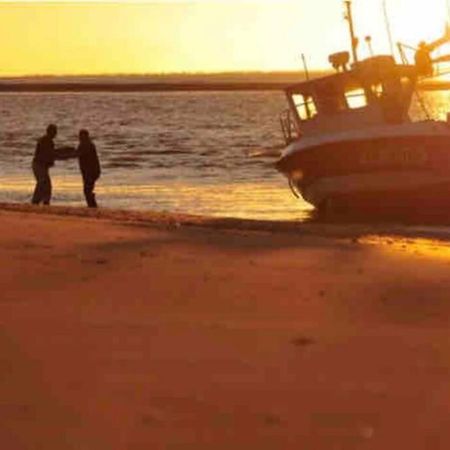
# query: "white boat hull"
[392,167]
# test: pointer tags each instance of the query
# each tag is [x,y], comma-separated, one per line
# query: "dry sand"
[170,336]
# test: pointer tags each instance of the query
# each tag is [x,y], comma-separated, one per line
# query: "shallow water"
[179,152]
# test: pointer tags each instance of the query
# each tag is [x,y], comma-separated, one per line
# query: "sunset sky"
[197,36]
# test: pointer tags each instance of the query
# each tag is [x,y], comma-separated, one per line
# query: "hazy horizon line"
[163,74]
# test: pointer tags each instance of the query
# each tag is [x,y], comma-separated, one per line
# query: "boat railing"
[288,126]
[402,51]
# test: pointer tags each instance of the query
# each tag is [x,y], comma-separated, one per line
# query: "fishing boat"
[351,142]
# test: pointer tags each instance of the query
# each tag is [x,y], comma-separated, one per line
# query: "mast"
[388,27]
[353,38]
[305,67]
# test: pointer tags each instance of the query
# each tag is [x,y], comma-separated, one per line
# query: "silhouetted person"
[44,158]
[423,59]
[89,166]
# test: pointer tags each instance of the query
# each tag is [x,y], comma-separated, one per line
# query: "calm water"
[178,152]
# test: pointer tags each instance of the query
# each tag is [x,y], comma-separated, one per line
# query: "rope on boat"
[422,104]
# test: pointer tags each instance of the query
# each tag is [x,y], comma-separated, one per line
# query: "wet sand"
[138,331]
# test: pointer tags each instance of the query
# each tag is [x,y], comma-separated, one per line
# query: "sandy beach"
[175,332]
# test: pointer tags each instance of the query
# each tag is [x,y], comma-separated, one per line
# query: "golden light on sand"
[189,36]
[423,247]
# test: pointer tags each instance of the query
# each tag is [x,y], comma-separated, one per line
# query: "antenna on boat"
[368,40]
[388,26]
[354,39]
[305,67]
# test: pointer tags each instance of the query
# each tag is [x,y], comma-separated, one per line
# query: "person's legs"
[88,188]
[39,174]
[46,188]
[36,199]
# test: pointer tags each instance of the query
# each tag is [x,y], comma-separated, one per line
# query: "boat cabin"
[373,92]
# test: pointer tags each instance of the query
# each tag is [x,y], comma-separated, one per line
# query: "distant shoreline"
[139,87]
[166,87]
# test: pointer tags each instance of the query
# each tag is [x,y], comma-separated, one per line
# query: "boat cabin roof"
[375,91]
[364,74]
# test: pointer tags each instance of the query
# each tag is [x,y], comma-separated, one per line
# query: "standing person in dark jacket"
[44,158]
[89,166]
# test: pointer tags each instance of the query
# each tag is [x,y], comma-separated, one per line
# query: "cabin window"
[377,90]
[306,107]
[356,99]
[331,101]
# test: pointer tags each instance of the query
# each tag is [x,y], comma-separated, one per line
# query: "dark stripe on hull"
[426,198]
[369,156]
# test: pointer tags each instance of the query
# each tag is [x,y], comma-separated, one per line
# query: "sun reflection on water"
[271,201]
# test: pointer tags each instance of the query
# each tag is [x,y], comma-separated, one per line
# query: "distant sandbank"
[138,87]
[154,83]
[172,82]
[164,87]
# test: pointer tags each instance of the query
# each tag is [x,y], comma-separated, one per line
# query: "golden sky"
[197,36]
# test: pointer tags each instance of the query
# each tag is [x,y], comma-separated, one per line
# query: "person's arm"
[445,58]
[66,152]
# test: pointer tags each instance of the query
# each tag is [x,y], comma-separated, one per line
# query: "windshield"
[305,106]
